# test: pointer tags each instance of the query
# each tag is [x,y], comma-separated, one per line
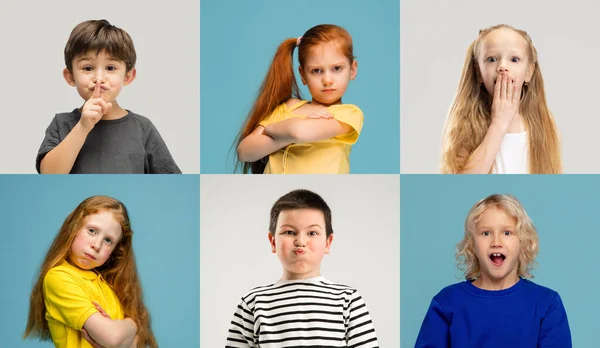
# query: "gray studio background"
[33,35]
[434,36]
[235,255]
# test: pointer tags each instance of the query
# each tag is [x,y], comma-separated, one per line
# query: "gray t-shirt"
[128,145]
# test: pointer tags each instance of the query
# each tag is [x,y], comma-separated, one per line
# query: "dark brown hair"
[100,35]
[119,271]
[280,83]
[301,199]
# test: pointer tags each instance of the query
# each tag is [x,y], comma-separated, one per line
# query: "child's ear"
[328,243]
[68,75]
[272,242]
[353,70]
[530,71]
[129,77]
[302,75]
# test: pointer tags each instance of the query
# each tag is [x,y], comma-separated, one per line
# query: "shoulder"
[143,120]
[539,291]
[63,118]
[451,292]
[59,275]
[290,103]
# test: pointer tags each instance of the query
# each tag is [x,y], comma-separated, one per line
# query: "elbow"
[242,154]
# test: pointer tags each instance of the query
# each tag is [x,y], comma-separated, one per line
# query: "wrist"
[81,128]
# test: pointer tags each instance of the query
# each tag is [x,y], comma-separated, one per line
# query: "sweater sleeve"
[241,331]
[360,331]
[435,330]
[555,330]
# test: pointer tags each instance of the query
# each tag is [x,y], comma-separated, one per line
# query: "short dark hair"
[100,35]
[301,199]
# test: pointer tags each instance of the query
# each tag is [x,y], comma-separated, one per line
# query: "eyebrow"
[337,63]
[313,225]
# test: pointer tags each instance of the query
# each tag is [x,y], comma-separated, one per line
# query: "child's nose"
[98,76]
[326,78]
[96,243]
[300,240]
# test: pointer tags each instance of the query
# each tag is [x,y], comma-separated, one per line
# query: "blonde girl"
[496,306]
[285,134]
[500,121]
[88,293]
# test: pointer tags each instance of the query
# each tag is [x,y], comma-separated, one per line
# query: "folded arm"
[111,333]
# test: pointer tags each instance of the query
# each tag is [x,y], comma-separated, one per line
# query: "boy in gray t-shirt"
[102,137]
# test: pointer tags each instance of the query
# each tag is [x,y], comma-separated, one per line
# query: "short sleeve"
[352,116]
[160,160]
[51,140]
[241,331]
[66,299]
[360,331]
[277,115]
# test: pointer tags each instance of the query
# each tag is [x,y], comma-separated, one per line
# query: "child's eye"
[91,231]
[87,68]
[485,233]
[108,241]
[111,68]
[289,233]
[515,59]
[316,71]
[337,68]
[312,233]
[491,59]
[507,233]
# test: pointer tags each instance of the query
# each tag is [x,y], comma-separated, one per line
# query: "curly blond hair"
[525,230]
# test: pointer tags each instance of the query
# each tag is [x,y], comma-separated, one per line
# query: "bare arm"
[505,106]
[306,130]
[258,145]
[111,333]
[60,160]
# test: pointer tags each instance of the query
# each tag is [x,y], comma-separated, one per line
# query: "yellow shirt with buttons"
[68,294]
[329,156]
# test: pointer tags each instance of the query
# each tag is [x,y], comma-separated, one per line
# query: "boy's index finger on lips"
[97,90]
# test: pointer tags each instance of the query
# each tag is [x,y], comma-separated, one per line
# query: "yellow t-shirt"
[329,156]
[68,294]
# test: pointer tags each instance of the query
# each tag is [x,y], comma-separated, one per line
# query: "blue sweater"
[524,315]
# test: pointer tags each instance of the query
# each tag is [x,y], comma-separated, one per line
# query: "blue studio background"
[564,209]
[237,41]
[164,212]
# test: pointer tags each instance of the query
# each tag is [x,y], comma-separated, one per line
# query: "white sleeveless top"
[513,156]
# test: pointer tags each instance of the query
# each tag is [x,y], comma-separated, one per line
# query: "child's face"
[504,51]
[497,247]
[327,72]
[90,67]
[300,243]
[95,241]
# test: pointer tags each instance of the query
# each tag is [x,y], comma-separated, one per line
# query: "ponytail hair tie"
[298,41]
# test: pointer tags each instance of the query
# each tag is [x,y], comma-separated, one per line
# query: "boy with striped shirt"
[302,308]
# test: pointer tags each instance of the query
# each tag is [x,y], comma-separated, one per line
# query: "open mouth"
[497,259]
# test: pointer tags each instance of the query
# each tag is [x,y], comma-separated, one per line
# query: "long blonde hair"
[525,230]
[470,115]
[119,271]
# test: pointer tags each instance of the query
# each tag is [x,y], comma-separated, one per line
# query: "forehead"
[327,52]
[93,55]
[503,40]
[104,221]
[301,217]
[495,215]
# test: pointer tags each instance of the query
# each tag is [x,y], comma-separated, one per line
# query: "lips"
[298,252]
[89,256]
[328,90]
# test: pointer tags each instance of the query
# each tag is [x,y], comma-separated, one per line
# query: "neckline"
[307,280]
[495,293]
[116,120]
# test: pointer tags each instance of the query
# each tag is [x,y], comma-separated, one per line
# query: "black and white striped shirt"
[302,313]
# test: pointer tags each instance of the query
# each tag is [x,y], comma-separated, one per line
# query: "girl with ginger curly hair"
[88,293]
[496,306]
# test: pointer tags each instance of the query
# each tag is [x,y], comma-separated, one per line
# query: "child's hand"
[88,338]
[321,113]
[507,98]
[101,310]
[94,109]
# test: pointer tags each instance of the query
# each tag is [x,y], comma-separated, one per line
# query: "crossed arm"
[263,141]
[101,331]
